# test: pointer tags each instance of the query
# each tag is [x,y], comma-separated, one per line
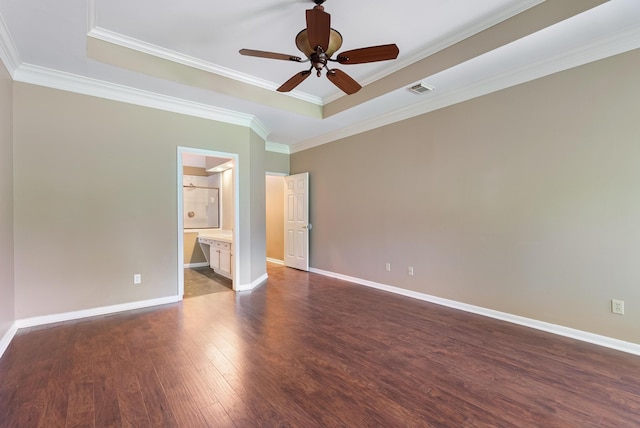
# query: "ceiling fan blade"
[318,28]
[294,81]
[271,55]
[370,54]
[343,81]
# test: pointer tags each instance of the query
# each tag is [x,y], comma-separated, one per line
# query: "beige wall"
[7,314]
[277,163]
[95,186]
[258,203]
[275,217]
[227,210]
[524,201]
[192,250]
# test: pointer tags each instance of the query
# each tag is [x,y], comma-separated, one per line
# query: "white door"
[296,221]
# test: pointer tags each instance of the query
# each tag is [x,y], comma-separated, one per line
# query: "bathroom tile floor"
[203,280]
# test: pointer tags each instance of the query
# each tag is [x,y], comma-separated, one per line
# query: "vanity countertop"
[217,235]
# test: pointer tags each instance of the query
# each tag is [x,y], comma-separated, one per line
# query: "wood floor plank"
[216,416]
[310,351]
[155,400]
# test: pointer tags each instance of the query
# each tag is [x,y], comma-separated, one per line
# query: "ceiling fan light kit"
[319,42]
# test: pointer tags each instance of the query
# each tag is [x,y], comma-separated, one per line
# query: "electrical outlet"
[388,267]
[137,278]
[410,271]
[617,306]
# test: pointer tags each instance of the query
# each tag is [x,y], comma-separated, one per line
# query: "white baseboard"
[608,342]
[195,265]
[253,285]
[67,316]
[7,338]
[276,261]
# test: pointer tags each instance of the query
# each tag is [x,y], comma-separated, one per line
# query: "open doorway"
[275,218]
[207,219]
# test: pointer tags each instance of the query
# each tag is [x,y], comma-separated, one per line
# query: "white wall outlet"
[137,278]
[410,270]
[388,267]
[617,306]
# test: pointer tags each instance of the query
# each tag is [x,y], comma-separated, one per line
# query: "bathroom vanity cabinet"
[219,252]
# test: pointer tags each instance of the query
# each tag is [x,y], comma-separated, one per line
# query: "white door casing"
[296,221]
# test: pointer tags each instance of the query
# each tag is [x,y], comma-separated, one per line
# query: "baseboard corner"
[6,339]
[253,285]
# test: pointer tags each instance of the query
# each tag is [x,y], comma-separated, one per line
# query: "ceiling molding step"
[534,19]
[55,79]
[8,52]
[600,49]
[470,30]
[277,148]
[150,49]
[124,57]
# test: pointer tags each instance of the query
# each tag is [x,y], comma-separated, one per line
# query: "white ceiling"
[43,38]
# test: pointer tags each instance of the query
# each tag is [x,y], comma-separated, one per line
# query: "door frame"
[236,211]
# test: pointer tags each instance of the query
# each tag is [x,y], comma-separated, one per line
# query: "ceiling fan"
[319,42]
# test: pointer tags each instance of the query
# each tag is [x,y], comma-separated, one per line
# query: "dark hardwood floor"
[310,351]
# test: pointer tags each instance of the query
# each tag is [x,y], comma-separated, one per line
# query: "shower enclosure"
[201,202]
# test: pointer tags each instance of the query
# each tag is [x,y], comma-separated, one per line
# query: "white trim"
[276,261]
[259,128]
[253,285]
[49,319]
[596,339]
[600,49]
[8,52]
[42,76]
[277,147]
[468,31]
[7,338]
[195,265]
[179,58]
[92,15]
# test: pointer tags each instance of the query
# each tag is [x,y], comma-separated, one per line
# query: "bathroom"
[208,216]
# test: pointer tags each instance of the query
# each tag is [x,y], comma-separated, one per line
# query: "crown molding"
[468,31]
[277,148]
[259,128]
[92,17]
[61,80]
[600,49]
[8,51]
[157,51]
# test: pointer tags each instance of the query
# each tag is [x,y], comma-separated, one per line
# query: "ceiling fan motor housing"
[316,55]
[302,42]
